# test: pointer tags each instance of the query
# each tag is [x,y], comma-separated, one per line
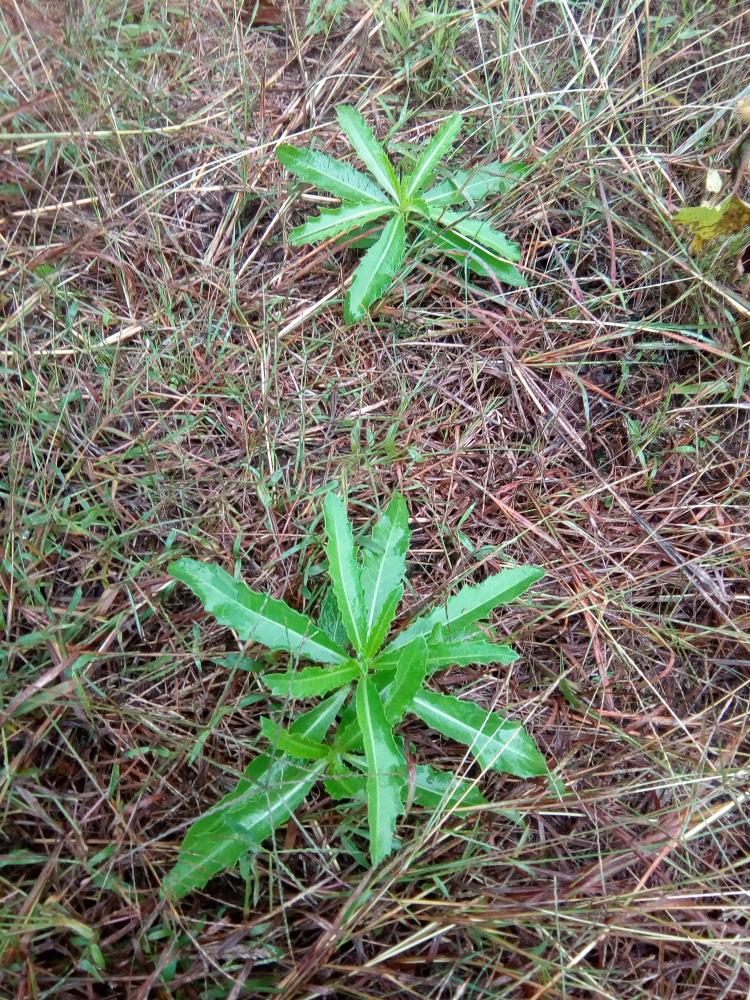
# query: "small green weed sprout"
[348,740]
[405,202]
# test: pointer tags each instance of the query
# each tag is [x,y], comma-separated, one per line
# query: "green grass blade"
[496,743]
[255,617]
[369,150]
[383,567]
[337,222]
[311,681]
[330,175]
[376,269]
[345,571]
[386,770]
[431,156]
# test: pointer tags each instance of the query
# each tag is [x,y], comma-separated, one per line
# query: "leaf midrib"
[304,636]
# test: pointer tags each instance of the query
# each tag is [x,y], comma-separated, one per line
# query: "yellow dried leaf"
[709,221]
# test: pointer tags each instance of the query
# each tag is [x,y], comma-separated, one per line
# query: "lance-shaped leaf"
[288,784]
[345,571]
[386,770]
[410,674]
[330,619]
[376,269]
[472,255]
[337,222]
[209,846]
[311,681]
[328,174]
[344,784]
[472,603]
[383,567]
[369,150]
[431,156]
[452,652]
[495,742]
[441,790]
[255,617]
[481,234]
[473,186]
[292,743]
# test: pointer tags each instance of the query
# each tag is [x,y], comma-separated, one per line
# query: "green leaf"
[431,156]
[382,623]
[336,222]
[473,603]
[383,567]
[330,619]
[311,681]
[376,269]
[328,174]
[495,742]
[343,783]
[442,790]
[454,653]
[386,770]
[473,186]
[470,256]
[369,150]
[292,743]
[410,675]
[209,847]
[265,811]
[344,570]
[482,236]
[255,617]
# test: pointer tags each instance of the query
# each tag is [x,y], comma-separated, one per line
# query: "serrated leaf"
[386,770]
[255,617]
[344,784]
[495,742]
[376,270]
[471,256]
[262,814]
[330,175]
[336,222]
[345,571]
[410,674]
[369,150]
[383,568]
[454,653]
[330,620]
[295,745]
[441,790]
[209,847]
[430,157]
[473,186]
[382,623]
[311,681]
[472,603]
[482,236]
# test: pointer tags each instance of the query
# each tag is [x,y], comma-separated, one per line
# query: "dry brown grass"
[178,379]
